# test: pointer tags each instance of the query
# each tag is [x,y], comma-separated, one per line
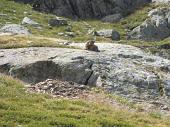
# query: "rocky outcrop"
[85,8]
[120,69]
[155,28]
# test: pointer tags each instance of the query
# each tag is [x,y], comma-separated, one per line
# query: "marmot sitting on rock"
[91,46]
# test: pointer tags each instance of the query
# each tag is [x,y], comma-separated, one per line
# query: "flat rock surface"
[120,69]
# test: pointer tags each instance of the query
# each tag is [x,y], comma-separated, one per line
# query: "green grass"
[20,41]
[32,110]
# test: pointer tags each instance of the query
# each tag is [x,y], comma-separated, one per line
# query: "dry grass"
[20,41]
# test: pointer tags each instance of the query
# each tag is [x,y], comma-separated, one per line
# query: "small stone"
[70,34]
[61,34]
[67,43]
[164,107]
[108,33]
[28,21]
[57,22]
[1,14]
[13,11]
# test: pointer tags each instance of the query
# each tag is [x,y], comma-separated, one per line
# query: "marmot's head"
[92,42]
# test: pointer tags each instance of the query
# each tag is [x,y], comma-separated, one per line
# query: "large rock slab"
[155,28]
[120,69]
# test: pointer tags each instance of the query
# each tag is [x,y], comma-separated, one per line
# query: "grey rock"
[115,35]
[15,29]
[70,34]
[104,32]
[57,22]
[61,34]
[28,21]
[156,28]
[112,18]
[110,33]
[121,69]
[164,107]
[67,34]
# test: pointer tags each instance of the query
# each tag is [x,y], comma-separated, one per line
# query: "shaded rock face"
[37,72]
[85,8]
[120,69]
[155,28]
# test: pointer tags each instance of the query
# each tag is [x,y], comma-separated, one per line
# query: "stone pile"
[59,88]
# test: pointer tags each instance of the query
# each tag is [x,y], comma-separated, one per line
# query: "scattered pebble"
[59,88]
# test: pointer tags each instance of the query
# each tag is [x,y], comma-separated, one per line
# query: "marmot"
[91,46]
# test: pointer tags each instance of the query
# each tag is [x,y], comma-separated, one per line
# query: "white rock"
[28,21]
